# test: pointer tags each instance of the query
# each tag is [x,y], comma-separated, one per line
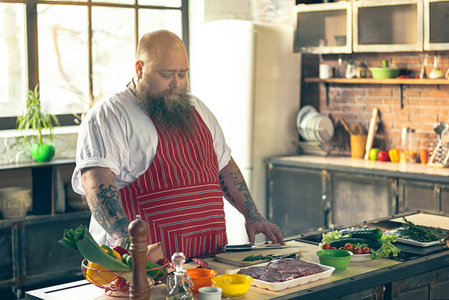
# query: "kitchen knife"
[248,247]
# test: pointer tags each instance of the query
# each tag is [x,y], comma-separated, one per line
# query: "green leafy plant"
[36,117]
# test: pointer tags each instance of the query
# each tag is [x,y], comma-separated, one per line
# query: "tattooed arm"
[234,189]
[105,203]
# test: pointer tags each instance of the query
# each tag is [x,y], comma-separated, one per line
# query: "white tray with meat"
[285,273]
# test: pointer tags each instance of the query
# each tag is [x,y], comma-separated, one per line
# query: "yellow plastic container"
[233,285]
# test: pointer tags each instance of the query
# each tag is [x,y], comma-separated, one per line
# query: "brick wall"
[422,104]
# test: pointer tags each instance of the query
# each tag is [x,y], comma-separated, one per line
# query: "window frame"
[32,42]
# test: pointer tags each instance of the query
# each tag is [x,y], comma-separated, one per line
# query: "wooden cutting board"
[236,258]
[426,220]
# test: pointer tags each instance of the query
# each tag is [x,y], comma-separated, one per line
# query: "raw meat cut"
[282,270]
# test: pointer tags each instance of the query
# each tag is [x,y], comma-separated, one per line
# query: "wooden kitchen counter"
[355,278]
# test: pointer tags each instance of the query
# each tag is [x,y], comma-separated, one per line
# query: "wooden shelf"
[390,81]
[409,81]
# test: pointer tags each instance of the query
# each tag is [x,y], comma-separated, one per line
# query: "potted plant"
[36,118]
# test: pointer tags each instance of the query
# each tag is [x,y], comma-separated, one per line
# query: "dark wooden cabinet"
[359,197]
[297,199]
[31,255]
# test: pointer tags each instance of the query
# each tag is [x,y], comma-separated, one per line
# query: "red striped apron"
[179,196]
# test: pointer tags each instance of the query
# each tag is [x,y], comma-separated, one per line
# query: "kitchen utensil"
[371,131]
[384,72]
[325,71]
[248,247]
[439,128]
[233,285]
[358,144]
[358,129]
[351,70]
[346,126]
[339,259]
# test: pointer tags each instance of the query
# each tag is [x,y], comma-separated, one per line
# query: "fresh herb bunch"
[420,233]
[259,257]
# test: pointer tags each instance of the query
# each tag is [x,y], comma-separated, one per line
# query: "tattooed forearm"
[234,187]
[106,207]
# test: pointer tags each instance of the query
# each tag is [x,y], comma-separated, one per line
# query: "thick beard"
[171,113]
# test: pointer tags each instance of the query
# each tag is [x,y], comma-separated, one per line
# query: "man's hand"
[259,224]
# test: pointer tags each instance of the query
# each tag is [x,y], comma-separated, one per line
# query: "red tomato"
[341,248]
[121,285]
[326,246]
[349,247]
[366,250]
[358,250]
[335,248]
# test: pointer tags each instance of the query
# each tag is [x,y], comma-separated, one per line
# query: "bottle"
[178,289]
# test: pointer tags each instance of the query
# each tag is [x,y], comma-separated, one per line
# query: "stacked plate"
[313,126]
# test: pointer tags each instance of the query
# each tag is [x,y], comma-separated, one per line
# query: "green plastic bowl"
[339,259]
[384,72]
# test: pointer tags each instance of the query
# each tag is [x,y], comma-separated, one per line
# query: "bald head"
[155,43]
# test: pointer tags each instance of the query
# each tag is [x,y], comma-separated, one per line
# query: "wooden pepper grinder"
[138,232]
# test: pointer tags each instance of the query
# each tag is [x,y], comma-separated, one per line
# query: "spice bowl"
[233,285]
[201,277]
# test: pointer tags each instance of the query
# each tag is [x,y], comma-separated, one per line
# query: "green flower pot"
[44,152]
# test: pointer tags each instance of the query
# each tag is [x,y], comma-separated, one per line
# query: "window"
[78,51]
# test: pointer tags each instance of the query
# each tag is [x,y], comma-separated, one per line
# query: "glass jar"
[409,149]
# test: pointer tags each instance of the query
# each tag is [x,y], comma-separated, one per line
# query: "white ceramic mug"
[325,71]
[210,293]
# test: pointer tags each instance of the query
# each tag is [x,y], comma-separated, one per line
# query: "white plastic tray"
[418,244]
[278,286]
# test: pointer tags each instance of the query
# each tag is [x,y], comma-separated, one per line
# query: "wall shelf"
[391,81]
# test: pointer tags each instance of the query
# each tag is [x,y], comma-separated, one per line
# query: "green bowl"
[339,259]
[384,72]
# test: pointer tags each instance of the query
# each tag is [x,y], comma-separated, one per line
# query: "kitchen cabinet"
[31,255]
[302,199]
[436,29]
[358,197]
[372,26]
[298,200]
[323,28]
[387,26]
[422,195]
[353,189]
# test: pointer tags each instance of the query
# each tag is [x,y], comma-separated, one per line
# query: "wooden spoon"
[346,126]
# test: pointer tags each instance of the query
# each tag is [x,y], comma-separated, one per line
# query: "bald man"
[155,150]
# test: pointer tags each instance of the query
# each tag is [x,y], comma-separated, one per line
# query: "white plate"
[278,286]
[302,113]
[325,130]
[360,257]
[418,244]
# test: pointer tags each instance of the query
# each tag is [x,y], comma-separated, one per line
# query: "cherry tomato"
[335,248]
[121,285]
[366,250]
[358,250]
[326,246]
[341,248]
[349,247]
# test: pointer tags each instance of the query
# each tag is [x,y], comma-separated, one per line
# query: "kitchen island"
[426,277]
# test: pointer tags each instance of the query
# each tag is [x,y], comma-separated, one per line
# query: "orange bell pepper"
[95,273]
[394,154]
